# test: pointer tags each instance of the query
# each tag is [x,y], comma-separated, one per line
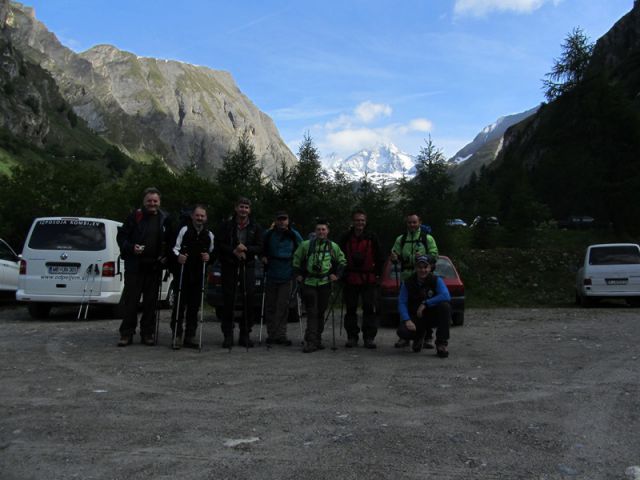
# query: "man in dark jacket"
[364,266]
[424,302]
[143,239]
[193,247]
[238,241]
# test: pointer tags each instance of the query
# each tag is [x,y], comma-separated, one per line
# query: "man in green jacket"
[412,244]
[317,263]
[406,249]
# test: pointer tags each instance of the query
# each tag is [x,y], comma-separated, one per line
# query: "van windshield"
[622,255]
[68,234]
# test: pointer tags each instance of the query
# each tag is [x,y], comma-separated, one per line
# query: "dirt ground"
[526,394]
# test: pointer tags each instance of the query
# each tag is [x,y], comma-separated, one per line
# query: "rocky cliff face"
[618,53]
[186,114]
[31,107]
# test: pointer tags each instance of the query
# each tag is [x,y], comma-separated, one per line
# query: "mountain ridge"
[188,115]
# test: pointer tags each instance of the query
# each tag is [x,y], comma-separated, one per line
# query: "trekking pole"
[333,331]
[233,305]
[95,273]
[177,310]
[157,309]
[332,304]
[298,294]
[84,289]
[244,304]
[341,309]
[264,291]
[204,272]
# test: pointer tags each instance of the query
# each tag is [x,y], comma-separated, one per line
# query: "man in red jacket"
[364,266]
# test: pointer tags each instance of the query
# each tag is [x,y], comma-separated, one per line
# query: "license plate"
[63,270]
[617,281]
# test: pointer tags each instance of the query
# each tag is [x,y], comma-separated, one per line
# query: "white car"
[610,270]
[9,268]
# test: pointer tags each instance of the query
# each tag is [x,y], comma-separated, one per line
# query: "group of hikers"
[293,269]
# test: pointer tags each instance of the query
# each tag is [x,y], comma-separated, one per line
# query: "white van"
[72,260]
[609,270]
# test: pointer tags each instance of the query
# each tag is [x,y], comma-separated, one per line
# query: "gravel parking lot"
[525,394]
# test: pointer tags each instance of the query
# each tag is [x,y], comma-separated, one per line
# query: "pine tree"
[570,68]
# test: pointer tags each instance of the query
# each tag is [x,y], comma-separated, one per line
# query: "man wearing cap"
[424,302]
[278,246]
[407,247]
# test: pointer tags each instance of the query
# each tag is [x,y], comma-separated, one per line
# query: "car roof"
[598,245]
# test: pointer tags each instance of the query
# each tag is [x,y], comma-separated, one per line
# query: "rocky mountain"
[382,163]
[32,111]
[484,148]
[188,115]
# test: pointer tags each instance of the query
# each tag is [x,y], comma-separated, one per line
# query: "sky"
[353,73]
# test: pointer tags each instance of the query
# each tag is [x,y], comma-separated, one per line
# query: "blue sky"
[353,72]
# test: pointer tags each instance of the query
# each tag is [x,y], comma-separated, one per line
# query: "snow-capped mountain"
[383,162]
[491,132]
[484,148]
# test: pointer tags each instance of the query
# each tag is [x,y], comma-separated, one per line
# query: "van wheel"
[457,319]
[39,310]
[633,301]
[587,301]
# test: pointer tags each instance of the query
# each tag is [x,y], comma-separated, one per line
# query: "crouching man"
[424,302]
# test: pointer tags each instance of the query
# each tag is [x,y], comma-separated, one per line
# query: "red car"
[390,286]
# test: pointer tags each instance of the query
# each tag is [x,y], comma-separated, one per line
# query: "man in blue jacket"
[279,244]
[424,302]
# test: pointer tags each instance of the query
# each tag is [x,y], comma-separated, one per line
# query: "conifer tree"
[570,68]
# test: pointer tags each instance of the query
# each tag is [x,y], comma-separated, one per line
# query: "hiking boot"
[442,351]
[417,346]
[351,342]
[190,342]
[147,340]
[402,343]
[245,342]
[369,343]
[125,340]
[228,342]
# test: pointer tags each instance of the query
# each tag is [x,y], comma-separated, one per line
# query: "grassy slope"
[541,275]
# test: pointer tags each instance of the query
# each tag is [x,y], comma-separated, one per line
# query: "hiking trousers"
[316,300]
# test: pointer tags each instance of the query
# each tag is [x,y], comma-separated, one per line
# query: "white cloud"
[352,140]
[368,111]
[483,7]
[349,140]
[421,125]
